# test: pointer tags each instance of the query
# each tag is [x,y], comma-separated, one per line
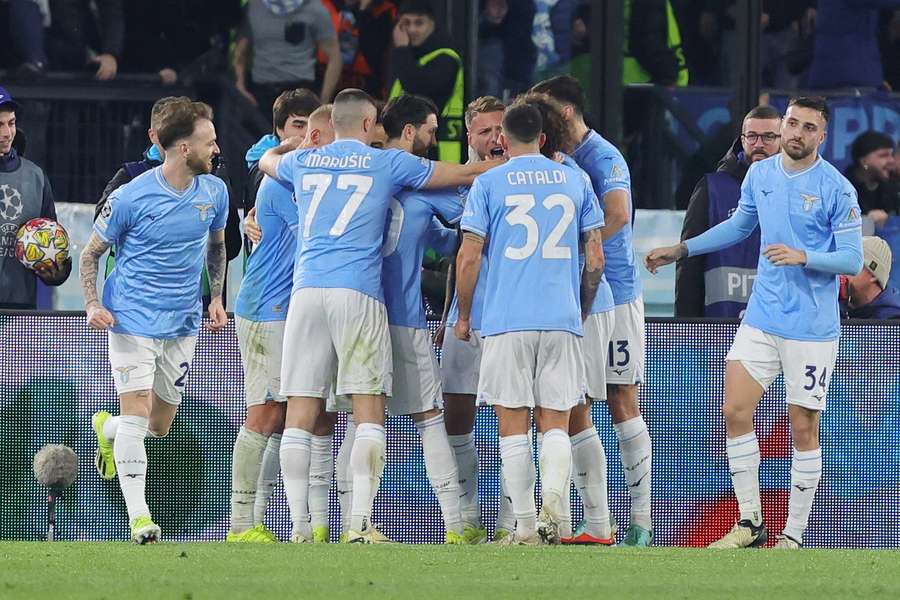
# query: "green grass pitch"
[119,571]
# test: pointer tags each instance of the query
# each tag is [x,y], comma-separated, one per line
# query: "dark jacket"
[845,53]
[73,27]
[435,81]
[886,305]
[885,197]
[690,285]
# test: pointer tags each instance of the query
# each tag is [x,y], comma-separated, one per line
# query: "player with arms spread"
[336,330]
[810,225]
[163,223]
[535,214]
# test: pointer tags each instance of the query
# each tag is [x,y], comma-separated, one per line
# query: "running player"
[336,329]
[535,212]
[163,223]
[625,351]
[810,225]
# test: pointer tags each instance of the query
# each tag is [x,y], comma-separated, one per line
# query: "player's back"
[411,215]
[532,212]
[343,192]
[161,236]
[803,210]
[266,287]
[606,167]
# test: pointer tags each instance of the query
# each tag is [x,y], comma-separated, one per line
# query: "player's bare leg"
[440,465]
[296,453]
[518,471]
[806,472]
[367,465]
[459,419]
[590,468]
[742,396]
[636,451]
[555,462]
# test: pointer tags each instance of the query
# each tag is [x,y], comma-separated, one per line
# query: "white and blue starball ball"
[42,243]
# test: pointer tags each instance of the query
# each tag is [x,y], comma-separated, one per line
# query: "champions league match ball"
[42,243]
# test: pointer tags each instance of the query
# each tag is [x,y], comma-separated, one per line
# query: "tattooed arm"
[97,316]
[216,260]
[593,269]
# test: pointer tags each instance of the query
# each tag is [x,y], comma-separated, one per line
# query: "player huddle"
[547,314]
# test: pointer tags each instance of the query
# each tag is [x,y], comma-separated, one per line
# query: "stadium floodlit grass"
[216,570]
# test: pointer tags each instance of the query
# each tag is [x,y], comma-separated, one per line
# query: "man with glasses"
[719,284]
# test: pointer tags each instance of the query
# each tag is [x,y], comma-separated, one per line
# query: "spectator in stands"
[873,173]
[153,157]
[653,52]
[719,284]
[179,40]
[78,36]
[25,194]
[786,40]
[506,54]
[283,36]
[845,53]
[424,62]
[890,47]
[869,295]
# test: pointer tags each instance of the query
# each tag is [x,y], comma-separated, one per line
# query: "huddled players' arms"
[451,175]
[268,164]
[593,269]
[97,316]
[468,265]
[251,226]
[216,261]
[615,212]
[448,299]
[727,233]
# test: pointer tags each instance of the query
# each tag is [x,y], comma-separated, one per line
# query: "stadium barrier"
[55,374]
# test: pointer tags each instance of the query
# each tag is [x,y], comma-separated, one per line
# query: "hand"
[246,93]
[463,329]
[660,257]
[217,317]
[108,67]
[291,143]
[168,76]
[401,38]
[878,216]
[438,339]
[783,256]
[98,317]
[54,274]
[251,227]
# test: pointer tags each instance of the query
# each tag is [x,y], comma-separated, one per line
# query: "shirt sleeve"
[616,175]
[846,224]
[475,216]
[285,170]
[48,206]
[408,171]
[447,204]
[845,213]
[591,213]
[747,202]
[221,218]
[322,25]
[114,219]
[442,239]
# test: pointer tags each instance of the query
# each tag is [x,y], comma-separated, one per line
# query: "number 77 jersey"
[343,192]
[532,212]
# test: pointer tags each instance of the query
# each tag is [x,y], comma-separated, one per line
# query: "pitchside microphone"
[55,466]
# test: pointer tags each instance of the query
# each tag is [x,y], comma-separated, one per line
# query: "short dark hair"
[406,109]
[179,121]
[416,7]
[300,102]
[522,123]
[763,112]
[354,95]
[563,88]
[554,126]
[814,102]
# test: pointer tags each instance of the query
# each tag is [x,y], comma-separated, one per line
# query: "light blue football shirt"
[603,301]
[533,212]
[804,210]
[160,236]
[608,171]
[408,227]
[266,287]
[343,191]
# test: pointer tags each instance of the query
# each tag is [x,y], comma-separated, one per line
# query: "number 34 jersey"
[343,192]
[533,212]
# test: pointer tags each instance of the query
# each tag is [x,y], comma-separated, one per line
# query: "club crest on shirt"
[204,210]
[808,201]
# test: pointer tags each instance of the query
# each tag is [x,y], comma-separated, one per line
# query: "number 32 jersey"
[343,192]
[532,211]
